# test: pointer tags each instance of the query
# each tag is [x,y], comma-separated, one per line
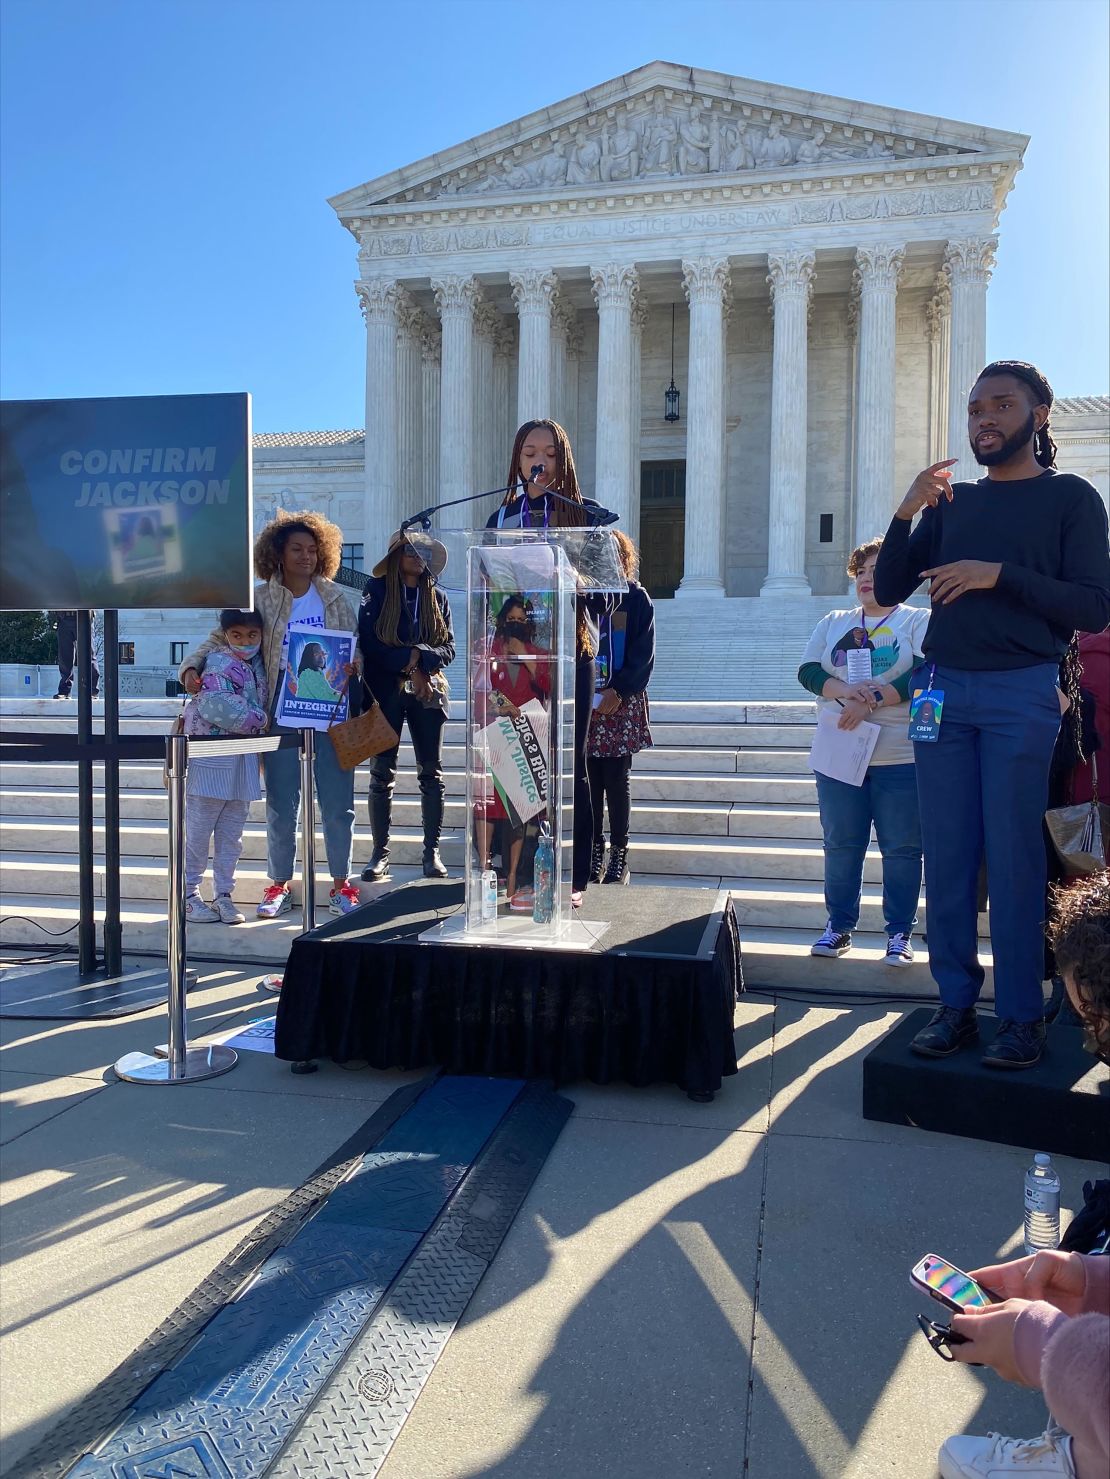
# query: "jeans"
[888,797]
[335,795]
[611,781]
[984,788]
[425,731]
[210,820]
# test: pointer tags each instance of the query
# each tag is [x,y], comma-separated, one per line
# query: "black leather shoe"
[597,862]
[1016,1045]
[949,1030]
[434,866]
[378,866]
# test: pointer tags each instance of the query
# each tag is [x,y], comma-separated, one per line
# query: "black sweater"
[1049,534]
[637,614]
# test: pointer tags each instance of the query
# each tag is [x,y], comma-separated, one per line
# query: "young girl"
[551,498]
[519,673]
[619,727]
[219,790]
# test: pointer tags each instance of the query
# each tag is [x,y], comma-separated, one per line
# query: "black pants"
[611,782]
[67,654]
[583,835]
[425,731]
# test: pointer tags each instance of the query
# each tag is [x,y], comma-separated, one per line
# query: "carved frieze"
[672,135]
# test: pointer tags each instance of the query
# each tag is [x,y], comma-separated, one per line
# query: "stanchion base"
[56,992]
[200,1063]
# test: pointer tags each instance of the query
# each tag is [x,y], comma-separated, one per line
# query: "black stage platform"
[651,1002]
[1060,1105]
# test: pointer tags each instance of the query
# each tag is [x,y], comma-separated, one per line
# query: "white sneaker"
[832,944]
[198,912]
[225,908]
[899,951]
[996,1457]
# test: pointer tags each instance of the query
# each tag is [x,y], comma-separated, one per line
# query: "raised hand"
[929,487]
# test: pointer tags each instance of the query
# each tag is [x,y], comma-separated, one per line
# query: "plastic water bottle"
[1042,1205]
[488,895]
[543,891]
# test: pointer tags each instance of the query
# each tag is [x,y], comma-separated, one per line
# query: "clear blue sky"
[167,162]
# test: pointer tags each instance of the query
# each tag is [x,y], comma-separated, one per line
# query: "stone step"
[774,955]
[658,851]
[712,787]
[41,808]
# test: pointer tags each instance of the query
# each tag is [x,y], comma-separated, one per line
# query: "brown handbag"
[369,733]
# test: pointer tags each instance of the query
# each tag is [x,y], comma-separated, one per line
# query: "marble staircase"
[725,800]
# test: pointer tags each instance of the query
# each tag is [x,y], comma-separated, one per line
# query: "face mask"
[517,629]
[247,652]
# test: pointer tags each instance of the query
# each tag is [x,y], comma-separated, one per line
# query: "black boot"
[597,862]
[431,816]
[380,805]
[617,871]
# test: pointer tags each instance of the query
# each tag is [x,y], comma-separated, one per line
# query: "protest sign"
[313,679]
[515,751]
[125,503]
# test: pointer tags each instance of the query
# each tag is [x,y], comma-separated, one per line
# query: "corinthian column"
[614,288]
[504,411]
[378,298]
[486,320]
[636,415]
[706,282]
[456,298]
[533,291]
[429,353]
[968,263]
[410,397]
[790,275]
[877,271]
[937,312]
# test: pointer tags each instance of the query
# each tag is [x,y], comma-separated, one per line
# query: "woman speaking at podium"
[543,493]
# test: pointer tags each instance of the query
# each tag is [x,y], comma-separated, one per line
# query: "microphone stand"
[424,517]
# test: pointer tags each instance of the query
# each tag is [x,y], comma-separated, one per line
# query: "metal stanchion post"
[109,682]
[86,927]
[308,830]
[182,1064]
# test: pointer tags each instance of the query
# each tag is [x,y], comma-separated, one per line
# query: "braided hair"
[561,515]
[432,627]
[1044,448]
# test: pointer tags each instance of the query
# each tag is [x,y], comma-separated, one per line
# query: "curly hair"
[861,554]
[1079,933]
[270,544]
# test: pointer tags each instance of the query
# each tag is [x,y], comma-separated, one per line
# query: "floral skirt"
[624,733]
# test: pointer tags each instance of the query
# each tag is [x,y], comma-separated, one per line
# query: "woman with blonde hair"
[550,497]
[295,557]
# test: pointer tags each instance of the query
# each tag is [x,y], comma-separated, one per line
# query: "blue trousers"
[888,797]
[335,796]
[983,788]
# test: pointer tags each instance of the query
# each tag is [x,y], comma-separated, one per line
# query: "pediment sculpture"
[687,140]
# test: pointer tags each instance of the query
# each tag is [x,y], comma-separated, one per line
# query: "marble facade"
[829,263]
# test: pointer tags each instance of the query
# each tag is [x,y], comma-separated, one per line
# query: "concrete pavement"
[689,1289]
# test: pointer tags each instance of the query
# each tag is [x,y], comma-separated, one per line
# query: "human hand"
[190,680]
[609,701]
[863,692]
[948,582]
[515,646]
[421,685]
[1058,1278]
[929,487]
[854,713]
[990,1338]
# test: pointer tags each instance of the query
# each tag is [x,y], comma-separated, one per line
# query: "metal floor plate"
[315,1362]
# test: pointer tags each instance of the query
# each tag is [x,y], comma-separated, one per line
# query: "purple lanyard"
[526,512]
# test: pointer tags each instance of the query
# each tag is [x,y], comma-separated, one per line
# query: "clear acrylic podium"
[522,588]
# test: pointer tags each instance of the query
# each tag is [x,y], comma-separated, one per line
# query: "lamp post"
[671,395]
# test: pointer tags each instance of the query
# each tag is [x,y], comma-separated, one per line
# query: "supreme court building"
[824,264]
[812,272]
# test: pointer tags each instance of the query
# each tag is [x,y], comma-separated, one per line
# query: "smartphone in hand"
[954,1289]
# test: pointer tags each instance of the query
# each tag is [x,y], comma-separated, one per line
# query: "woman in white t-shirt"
[294,557]
[860,662]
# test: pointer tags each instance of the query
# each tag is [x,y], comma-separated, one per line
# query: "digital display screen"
[953,1284]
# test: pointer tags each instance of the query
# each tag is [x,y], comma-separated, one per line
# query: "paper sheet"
[842,754]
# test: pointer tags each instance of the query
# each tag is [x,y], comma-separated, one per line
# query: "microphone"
[596,516]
